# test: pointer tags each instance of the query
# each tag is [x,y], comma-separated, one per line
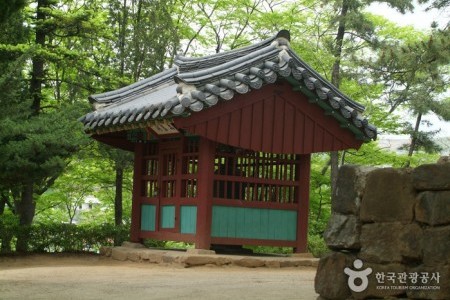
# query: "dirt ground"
[94,277]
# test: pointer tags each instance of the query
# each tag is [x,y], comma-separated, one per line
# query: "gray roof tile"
[195,84]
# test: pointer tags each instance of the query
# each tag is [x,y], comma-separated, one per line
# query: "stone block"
[155,258]
[436,246]
[432,177]
[331,281]
[288,263]
[349,189]
[432,282]
[389,196]
[198,260]
[433,208]
[391,242]
[343,232]
[249,262]
[134,255]
[169,258]
[275,264]
[119,253]
[151,256]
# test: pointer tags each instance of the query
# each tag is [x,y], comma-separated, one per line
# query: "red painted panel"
[232,135]
[115,139]
[303,176]
[272,119]
[224,124]
[268,116]
[212,129]
[318,138]
[289,126]
[257,128]
[200,128]
[278,127]
[327,140]
[299,132]
[308,136]
[246,127]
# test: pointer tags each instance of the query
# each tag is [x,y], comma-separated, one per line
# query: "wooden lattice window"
[169,170]
[255,176]
[169,165]
[151,170]
[189,168]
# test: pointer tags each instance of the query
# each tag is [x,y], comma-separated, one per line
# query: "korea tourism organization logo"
[362,275]
[358,279]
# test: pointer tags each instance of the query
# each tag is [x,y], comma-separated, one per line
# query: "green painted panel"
[188,221]
[168,216]
[148,216]
[254,223]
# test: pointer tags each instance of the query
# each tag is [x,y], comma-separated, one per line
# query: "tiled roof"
[195,84]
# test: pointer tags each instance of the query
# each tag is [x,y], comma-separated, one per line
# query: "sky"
[421,20]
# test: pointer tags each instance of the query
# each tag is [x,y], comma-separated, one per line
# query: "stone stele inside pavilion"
[222,144]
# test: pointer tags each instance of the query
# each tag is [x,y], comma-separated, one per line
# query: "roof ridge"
[185,59]
[112,96]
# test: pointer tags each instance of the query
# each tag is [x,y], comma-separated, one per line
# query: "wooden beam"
[303,176]
[206,157]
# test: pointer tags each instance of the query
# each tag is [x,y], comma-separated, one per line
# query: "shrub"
[55,237]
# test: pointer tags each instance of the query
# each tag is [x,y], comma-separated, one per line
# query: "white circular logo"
[353,275]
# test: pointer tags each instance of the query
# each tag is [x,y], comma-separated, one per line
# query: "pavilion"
[222,144]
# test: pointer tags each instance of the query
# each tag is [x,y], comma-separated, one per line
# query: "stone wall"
[397,223]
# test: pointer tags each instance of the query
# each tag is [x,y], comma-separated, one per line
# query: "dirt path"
[93,277]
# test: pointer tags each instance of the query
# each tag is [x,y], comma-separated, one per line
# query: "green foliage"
[10,7]
[317,246]
[60,237]
[89,173]
[36,148]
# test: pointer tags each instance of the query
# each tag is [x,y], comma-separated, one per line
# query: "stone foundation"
[194,257]
[394,221]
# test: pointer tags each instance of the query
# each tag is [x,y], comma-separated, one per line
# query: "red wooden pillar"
[137,193]
[206,157]
[303,176]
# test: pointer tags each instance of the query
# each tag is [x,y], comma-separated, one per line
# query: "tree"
[416,74]
[352,22]
[38,139]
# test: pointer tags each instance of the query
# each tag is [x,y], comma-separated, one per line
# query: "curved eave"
[198,88]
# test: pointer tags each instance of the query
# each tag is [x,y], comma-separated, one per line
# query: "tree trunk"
[335,80]
[25,209]
[118,196]
[122,35]
[413,144]
[3,200]
[37,72]
[6,235]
